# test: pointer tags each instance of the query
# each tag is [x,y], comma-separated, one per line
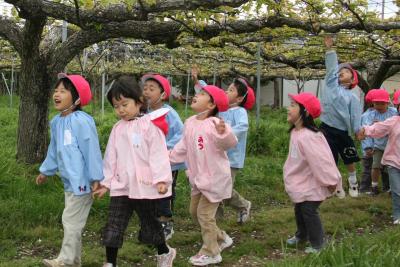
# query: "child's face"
[62,98]
[233,95]
[152,91]
[381,107]
[293,112]
[202,102]
[345,77]
[126,108]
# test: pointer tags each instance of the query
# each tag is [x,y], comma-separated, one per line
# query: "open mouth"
[56,101]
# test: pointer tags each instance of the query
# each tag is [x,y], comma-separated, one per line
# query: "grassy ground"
[359,230]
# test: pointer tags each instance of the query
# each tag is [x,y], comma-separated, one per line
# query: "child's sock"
[352,177]
[374,184]
[162,249]
[111,254]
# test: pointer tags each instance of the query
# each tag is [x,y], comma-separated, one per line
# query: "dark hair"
[125,86]
[308,121]
[70,87]
[215,111]
[159,84]
[241,86]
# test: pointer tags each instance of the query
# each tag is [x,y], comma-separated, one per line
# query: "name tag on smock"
[136,139]
[67,137]
[294,152]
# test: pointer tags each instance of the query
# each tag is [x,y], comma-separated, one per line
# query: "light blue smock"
[74,152]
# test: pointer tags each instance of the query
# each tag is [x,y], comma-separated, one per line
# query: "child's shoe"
[203,260]
[244,215]
[353,190]
[228,241]
[397,221]
[340,194]
[166,259]
[107,264]
[168,228]
[311,250]
[57,263]
[375,191]
[294,240]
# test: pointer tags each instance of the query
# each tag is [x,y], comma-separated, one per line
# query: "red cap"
[251,98]
[380,95]
[81,85]
[220,98]
[161,80]
[355,74]
[396,97]
[369,96]
[310,103]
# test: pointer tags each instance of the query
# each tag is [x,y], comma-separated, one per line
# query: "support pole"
[258,93]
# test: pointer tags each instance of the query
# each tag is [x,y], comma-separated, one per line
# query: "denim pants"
[309,226]
[394,180]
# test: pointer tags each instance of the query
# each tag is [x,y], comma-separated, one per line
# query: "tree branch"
[11,32]
[115,12]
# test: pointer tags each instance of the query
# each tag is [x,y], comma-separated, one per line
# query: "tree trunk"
[34,96]
[33,112]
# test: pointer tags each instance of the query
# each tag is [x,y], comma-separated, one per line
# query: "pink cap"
[310,103]
[220,98]
[162,80]
[380,95]
[81,85]
[251,98]
[396,97]
[369,96]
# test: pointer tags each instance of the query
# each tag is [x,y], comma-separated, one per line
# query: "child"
[341,114]
[156,89]
[137,172]
[74,152]
[396,100]
[381,112]
[367,146]
[310,172]
[241,98]
[203,147]
[391,156]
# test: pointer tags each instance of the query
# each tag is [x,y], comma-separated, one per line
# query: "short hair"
[125,86]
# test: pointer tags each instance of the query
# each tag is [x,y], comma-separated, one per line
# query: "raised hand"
[328,41]
[220,126]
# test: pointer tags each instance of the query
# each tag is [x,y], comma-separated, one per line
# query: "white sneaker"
[396,221]
[228,241]
[107,264]
[353,190]
[57,263]
[340,194]
[203,260]
[244,215]
[166,259]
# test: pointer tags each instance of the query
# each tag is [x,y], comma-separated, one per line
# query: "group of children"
[150,144]
[146,149]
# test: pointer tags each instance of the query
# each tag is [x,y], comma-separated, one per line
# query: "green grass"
[359,230]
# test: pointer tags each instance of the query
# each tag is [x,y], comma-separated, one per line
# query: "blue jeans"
[394,180]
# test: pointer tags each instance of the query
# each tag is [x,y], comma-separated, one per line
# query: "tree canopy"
[217,34]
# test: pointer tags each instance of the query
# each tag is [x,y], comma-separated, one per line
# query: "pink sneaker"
[166,260]
[203,260]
